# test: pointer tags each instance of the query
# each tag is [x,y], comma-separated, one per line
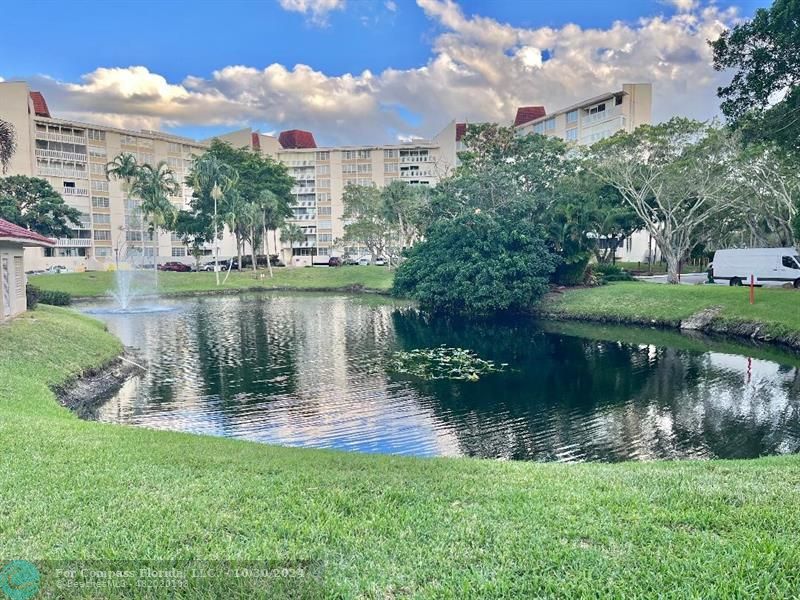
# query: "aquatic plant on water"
[443,362]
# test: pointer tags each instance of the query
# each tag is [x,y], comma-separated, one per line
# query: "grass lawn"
[98,283]
[777,309]
[376,526]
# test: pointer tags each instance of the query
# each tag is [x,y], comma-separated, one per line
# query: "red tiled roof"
[461,129]
[256,141]
[529,113]
[15,233]
[296,138]
[40,105]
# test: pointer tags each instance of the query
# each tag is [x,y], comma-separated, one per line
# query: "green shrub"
[572,272]
[610,272]
[477,264]
[55,298]
[32,295]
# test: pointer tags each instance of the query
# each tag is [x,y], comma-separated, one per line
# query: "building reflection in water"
[308,370]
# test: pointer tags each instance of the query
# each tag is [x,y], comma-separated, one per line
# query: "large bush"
[54,298]
[477,264]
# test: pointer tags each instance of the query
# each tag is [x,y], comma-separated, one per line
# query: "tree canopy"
[32,203]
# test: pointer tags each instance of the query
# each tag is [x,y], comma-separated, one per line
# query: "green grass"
[377,526]
[99,283]
[777,309]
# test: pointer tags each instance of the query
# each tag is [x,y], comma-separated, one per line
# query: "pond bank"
[377,525]
[774,318]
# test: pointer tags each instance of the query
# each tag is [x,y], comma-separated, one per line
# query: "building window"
[102,236]
[96,135]
[324,197]
[178,252]
[367,168]
[597,109]
[97,168]
[100,219]
[173,148]
[572,134]
[324,183]
[390,154]
[102,252]
[572,116]
[348,168]
[127,139]
[323,156]
[550,124]
[99,186]
[538,128]
[390,167]
[363,154]
[324,211]
[98,202]
[323,169]
[617,100]
[325,225]
[325,237]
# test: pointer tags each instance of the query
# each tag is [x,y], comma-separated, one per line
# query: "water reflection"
[308,370]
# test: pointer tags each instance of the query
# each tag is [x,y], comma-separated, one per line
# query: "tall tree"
[8,144]
[275,211]
[195,230]
[210,177]
[675,175]
[366,219]
[292,234]
[32,203]
[125,169]
[765,54]
[404,208]
[153,185]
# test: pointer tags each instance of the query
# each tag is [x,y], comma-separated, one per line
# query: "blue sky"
[175,40]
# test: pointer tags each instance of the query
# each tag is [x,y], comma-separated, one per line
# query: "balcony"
[75,191]
[60,137]
[303,190]
[304,217]
[52,172]
[605,115]
[416,173]
[73,243]
[60,155]
[416,159]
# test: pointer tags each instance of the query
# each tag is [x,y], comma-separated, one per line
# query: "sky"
[357,71]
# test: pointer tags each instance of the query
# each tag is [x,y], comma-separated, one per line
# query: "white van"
[769,266]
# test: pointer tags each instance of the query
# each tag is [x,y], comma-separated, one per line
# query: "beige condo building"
[72,157]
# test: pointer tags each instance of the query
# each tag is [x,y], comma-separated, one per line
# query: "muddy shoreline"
[87,392]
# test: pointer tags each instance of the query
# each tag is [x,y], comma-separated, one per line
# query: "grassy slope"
[382,526]
[778,309]
[95,284]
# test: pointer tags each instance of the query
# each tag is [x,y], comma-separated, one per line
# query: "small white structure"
[766,265]
[13,239]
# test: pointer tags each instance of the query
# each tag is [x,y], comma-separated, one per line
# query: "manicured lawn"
[94,284]
[777,309]
[377,526]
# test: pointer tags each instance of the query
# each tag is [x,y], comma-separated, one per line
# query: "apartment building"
[591,120]
[72,157]
[322,173]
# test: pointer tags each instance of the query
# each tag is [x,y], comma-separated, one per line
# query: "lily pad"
[443,362]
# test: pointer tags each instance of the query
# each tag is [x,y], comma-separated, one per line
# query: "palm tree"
[212,177]
[8,144]
[153,185]
[124,168]
[292,234]
[275,212]
[252,219]
[233,217]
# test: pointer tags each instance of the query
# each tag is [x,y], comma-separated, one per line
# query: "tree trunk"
[239,243]
[253,247]
[155,253]
[269,262]
[673,267]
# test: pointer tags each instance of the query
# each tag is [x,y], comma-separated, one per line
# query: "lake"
[300,369]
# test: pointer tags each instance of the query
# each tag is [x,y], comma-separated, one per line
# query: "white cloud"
[479,70]
[316,10]
[390,5]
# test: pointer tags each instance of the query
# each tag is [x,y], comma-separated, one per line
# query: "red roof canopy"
[296,138]
[15,233]
[256,141]
[40,105]
[529,113]
[461,129]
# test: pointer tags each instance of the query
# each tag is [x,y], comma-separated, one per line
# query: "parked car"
[55,269]
[380,261]
[334,261]
[222,265]
[767,266]
[364,261]
[349,260]
[178,267]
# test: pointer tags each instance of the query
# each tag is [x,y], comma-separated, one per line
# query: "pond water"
[311,370]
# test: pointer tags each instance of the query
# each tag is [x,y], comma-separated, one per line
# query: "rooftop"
[14,233]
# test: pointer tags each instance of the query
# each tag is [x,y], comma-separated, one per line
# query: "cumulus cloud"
[479,70]
[316,10]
